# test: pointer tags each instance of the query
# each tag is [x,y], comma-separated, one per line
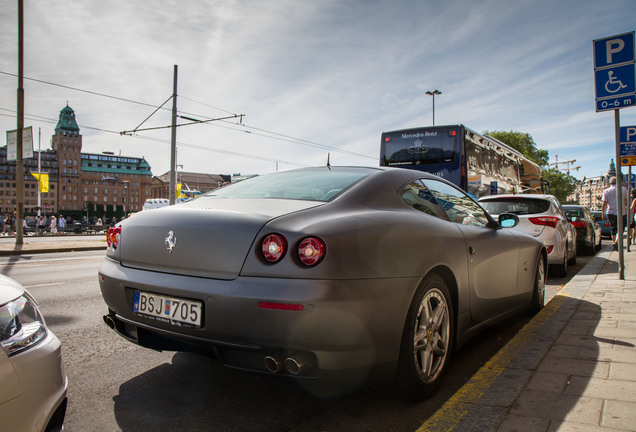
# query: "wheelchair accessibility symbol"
[613,84]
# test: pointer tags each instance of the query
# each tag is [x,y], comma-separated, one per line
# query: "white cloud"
[330,72]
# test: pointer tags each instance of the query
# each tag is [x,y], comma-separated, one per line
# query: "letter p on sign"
[612,47]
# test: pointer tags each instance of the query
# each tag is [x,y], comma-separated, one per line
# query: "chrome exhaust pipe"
[299,364]
[110,321]
[293,366]
[273,364]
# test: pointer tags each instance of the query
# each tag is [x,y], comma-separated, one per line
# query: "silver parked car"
[543,217]
[32,379]
[322,272]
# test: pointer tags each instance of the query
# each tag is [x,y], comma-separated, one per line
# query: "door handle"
[471,250]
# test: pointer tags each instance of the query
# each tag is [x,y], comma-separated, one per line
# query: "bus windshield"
[418,147]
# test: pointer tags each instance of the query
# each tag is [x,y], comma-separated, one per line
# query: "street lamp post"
[125,182]
[433,93]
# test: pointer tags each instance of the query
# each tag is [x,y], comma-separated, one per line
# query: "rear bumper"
[344,324]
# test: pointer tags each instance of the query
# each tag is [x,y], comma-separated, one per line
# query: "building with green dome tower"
[66,123]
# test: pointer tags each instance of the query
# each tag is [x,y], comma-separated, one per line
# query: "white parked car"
[543,217]
[32,379]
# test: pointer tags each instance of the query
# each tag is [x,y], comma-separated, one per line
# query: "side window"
[459,207]
[416,195]
[560,208]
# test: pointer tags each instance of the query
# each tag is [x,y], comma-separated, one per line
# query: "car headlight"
[21,325]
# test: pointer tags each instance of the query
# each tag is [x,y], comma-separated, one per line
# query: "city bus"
[477,163]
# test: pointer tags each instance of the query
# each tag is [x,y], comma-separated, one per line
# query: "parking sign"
[614,72]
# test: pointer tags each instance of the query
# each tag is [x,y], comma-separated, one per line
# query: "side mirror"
[508,220]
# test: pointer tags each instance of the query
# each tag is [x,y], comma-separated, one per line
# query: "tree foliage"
[561,184]
[523,143]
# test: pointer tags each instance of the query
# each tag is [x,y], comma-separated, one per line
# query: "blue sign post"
[615,88]
[628,146]
[614,73]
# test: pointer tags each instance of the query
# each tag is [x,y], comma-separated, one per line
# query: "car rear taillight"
[112,237]
[274,247]
[550,249]
[550,221]
[311,251]
[578,224]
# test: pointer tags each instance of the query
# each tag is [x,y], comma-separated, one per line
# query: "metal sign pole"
[630,215]
[619,196]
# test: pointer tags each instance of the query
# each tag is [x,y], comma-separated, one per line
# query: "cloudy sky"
[312,78]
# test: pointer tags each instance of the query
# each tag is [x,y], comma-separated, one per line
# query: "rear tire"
[592,248]
[538,292]
[571,261]
[562,269]
[427,340]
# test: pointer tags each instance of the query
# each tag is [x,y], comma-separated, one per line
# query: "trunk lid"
[208,237]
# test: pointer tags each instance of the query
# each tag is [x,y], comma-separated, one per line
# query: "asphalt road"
[117,386]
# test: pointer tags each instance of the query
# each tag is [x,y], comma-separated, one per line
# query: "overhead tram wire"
[163,141]
[214,150]
[264,132]
[276,135]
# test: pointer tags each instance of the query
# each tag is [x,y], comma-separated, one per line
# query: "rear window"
[574,214]
[319,185]
[518,206]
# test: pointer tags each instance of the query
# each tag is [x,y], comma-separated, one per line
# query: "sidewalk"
[571,368]
[50,244]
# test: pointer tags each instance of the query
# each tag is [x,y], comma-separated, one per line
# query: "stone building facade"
[590,190]
[81,183]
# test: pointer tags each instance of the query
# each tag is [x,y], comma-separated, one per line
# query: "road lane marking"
[43,285]
[464,399]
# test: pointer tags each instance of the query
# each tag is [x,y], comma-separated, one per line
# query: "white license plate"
[174,310]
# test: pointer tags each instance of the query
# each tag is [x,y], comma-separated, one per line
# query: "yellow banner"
[43,179]
[178,191]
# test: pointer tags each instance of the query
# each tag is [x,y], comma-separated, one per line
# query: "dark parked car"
[322,273]
[604,223]
[588,232]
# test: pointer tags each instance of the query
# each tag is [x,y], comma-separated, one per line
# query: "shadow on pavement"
[195,393]
[555,392]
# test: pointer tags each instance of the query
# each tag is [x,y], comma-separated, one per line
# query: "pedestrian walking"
[6,225]
[62,224]
[53,225]
[610,209]
[632,214]
[39,225]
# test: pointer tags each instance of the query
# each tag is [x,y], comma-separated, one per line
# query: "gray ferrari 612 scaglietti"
[322,272]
